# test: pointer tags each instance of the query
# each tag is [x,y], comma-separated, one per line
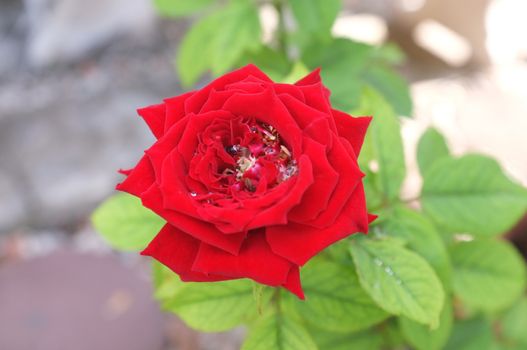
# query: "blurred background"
[73,72]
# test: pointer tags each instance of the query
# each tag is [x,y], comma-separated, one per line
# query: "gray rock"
[12,207]
[66,30]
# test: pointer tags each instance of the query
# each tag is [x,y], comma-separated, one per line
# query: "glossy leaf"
[398,280]
[422,237]
[335,300]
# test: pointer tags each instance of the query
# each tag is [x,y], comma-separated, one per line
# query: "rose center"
[262,161]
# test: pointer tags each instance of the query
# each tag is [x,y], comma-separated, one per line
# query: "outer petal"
[311,78]
[350,177]
[317,197]
[255,261]
[139,179]
[159,150]
[299,243]
[198,229]
[154,117]
[351,128]
[293,283]
[177,250]
[175,109]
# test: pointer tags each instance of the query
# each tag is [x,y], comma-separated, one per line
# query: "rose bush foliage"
[434,272]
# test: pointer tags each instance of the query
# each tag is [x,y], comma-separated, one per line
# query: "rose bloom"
[253,178]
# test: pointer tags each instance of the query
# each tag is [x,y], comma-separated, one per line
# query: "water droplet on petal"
[193,194]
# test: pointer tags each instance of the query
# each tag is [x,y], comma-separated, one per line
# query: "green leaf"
[166,283]
[218,41]
[335,300]
[349,66]
[195,53]
[365,340]
[432,147]
[272,62]
[392,336]
[314,18]
[390,54]
[383,145]
[422,237]
[399,281]
[391,85]
[475,334]
[278,332]
[238,32]
[422,337]
[298,71]
[125,224]
[180,8]
[488,275]
[217,306]
[514,324]
[342,61]
[471,194]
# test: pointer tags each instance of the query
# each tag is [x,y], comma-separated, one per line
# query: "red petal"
[195,103]
[277,213]
[175,109]
[255,261]
[177,251]
[299,243]
[317,197]
[139,178]
[162,147]
[198,229]
[293,283]
[154,117]
[311,78]
[351,128]
[268,108]
[350,176]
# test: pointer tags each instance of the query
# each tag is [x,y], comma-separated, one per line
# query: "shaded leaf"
[432,147]
[422,337]
[278,332]
[488,275]
[471,194]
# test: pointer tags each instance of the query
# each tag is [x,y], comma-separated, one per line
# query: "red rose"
[253,177]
